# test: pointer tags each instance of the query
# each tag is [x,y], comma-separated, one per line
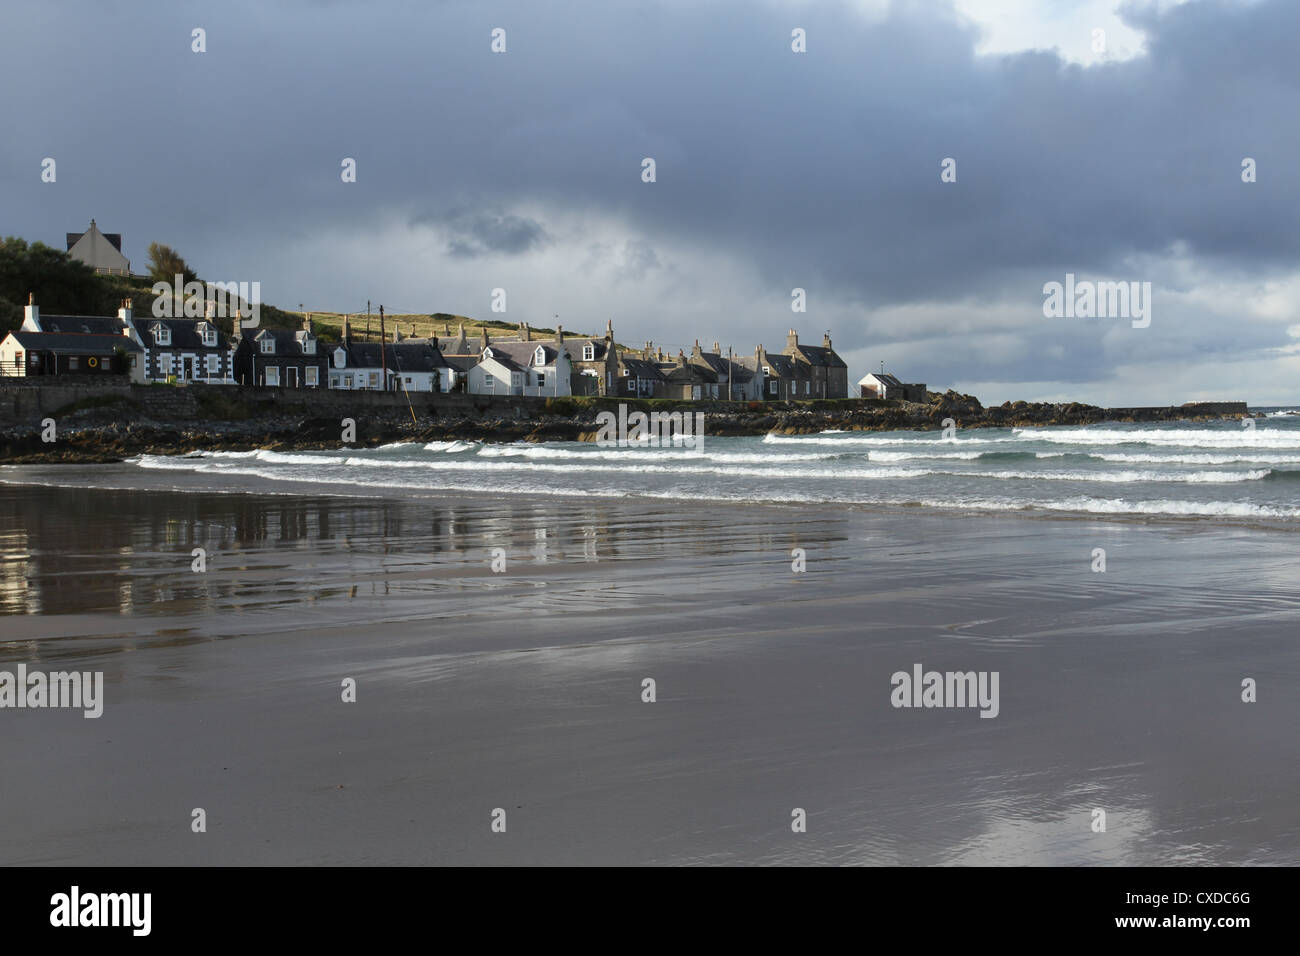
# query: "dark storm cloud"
[818,170]
[473,233]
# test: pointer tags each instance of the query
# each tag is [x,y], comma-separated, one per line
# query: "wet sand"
[522,690]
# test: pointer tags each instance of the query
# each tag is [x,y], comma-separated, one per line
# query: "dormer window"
[162,335]
[309,346]
[209,336]
[268,345]
[340,357]
[539,357]
[487,352]
[589,353]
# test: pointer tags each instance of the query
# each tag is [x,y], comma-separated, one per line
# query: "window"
[539,357]
[589,353]
[407,379]
[311,375]
[268,346]
[339,358]
[74,362]
[309,346]
[772,386]
[541,380]
[374,379]
[209,337]
[165,363]
[516,379]
[214,364]
[272,375]
[162,335]
[18,360]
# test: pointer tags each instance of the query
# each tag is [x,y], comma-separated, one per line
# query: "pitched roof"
[186,333]
[817,355]
[884,378]
[75,342]
[644,369]
[402,357]
[86,324]
[114,238]
[525,353]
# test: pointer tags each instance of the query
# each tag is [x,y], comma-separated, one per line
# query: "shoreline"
[349,491]
[97,433]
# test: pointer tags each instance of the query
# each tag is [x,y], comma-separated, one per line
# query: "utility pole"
[367,320]
[383,359]
[729,364]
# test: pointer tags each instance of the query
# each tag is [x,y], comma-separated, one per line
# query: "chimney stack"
[559,334]
[792,339]
[32,312]
[609,330]
[347,332]
[528,333]
[716,348]
[826,339]
[124,315]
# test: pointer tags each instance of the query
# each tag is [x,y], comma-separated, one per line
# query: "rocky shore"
[115,431]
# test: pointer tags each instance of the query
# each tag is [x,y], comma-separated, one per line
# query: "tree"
[61,284]
[165,264]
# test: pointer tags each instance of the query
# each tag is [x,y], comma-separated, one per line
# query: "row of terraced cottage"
[148,349]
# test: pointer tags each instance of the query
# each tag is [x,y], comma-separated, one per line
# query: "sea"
[1229,469]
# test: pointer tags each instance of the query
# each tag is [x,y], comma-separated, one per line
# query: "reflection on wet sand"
[1120,691]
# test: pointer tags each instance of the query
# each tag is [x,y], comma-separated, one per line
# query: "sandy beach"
[522,690]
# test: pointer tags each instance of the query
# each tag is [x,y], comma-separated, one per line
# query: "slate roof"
[114,239]
[719,363]
[575,349]
[783,366]
[524,353]
[86,324]
[816,355]
[882,377]
[185,333]
[402,357]
[75,342]
[689,374]
[643,369]
[287,341]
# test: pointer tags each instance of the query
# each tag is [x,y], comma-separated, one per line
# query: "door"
[187,368]
[291,376]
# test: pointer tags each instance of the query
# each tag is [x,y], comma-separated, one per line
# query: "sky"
[1102,140]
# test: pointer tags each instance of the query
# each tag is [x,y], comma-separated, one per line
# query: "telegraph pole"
[367,320]
[383,358]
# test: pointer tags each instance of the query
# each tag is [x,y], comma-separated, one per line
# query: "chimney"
[484,339]
[307,325]
[347,333]
[31,311]
[826,339]
[559,334]
[528,333]
[646,353]
[716,348]
[609,330]
[792,339]
[124,314]
[397,333]
[695,352]
[681,357]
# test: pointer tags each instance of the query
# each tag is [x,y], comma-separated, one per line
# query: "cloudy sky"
[1115,156]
